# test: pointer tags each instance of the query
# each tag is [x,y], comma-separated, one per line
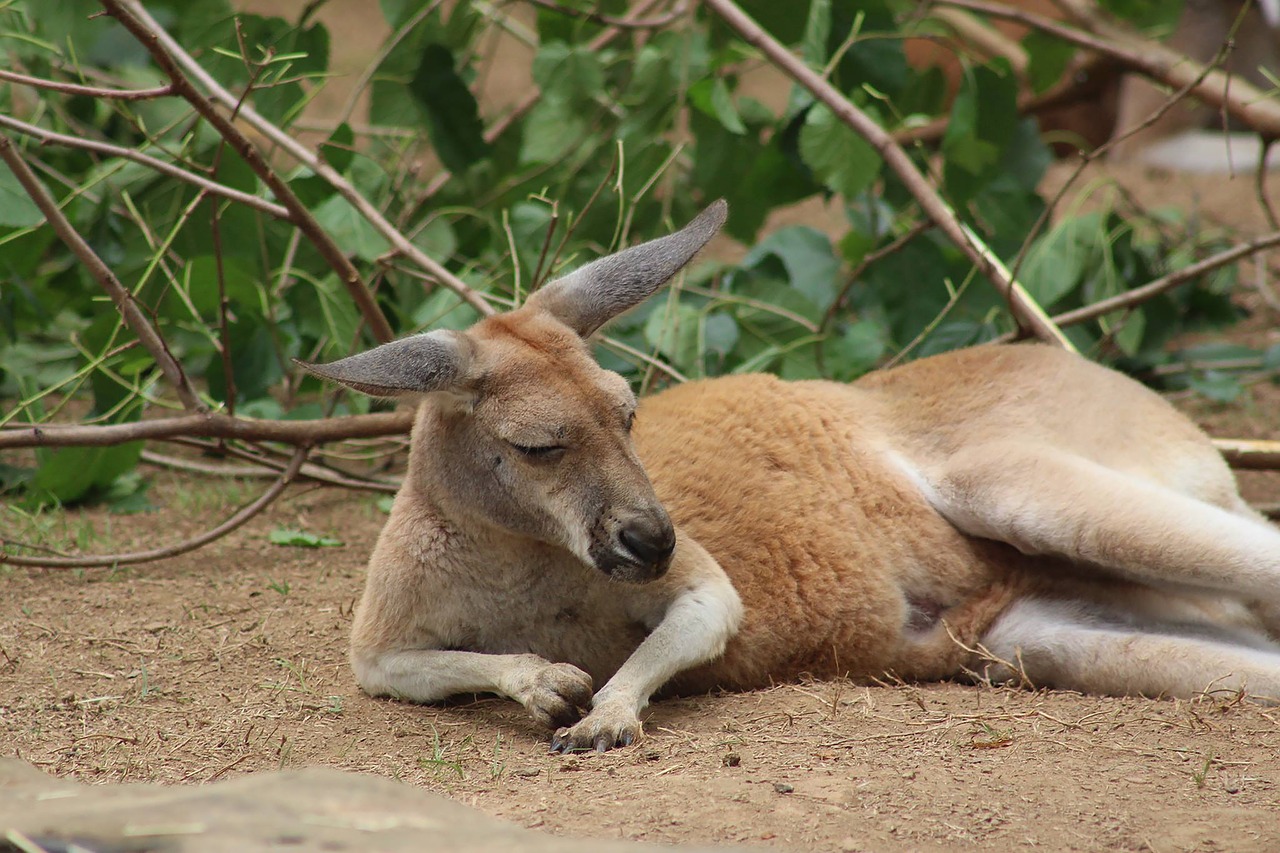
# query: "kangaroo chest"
[562,613]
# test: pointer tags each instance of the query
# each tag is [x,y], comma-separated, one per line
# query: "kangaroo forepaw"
[555,693]
[601,730]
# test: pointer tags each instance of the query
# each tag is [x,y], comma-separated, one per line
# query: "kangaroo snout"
[642,548]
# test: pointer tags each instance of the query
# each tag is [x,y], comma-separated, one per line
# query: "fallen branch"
[214,425]
[1138,295]
[1237,98]
[1249,453]
[1026,312]
[111,560]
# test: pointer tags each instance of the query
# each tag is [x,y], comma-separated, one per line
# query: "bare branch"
[240,517]
[1240,100]
[1024,308]
[87,91]
[1138,295]
[159,40]
[1248,453]
[211,425]
[630,23]
[162,166]
[129,310]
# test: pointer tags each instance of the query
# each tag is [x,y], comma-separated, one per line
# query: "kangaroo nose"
[649,540]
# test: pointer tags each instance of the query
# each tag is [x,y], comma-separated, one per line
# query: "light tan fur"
[1020,497]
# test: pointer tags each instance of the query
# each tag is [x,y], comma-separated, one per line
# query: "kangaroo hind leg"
[1065,645]
[1047,502]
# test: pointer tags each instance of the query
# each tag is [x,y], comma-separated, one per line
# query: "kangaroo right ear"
[435,361]
[588,298]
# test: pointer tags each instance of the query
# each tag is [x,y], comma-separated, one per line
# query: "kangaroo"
[555,544]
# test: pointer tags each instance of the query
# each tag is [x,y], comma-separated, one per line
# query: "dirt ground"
[231,660]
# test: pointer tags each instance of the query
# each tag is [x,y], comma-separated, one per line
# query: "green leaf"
[673,329]
[17,210]
[565,69]
[712,97]
[1216,385]
[67,475]
[807,260]
[351,231]
[302,539]
[983,119]
[453,117]
[1047,59]
[840,158]
[1056,261]
[552,128]
[855,349]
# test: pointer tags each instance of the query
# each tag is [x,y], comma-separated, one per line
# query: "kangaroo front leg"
[552,693]
[694,630]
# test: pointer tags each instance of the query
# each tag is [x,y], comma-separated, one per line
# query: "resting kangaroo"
[750,530]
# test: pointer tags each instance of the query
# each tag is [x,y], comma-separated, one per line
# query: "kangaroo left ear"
[588,298]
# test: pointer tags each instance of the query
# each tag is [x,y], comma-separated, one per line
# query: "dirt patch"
[232,661]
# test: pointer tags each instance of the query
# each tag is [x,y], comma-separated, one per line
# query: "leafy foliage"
[621,142]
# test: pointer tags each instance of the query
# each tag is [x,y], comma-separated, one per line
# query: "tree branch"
[1138,295]
[87,91]
[210,425]
[1240,100]
[161,166]
[124,302]
[236,520]
[1026,312]
[630,23]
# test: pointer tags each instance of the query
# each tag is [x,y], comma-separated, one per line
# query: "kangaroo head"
[522,431]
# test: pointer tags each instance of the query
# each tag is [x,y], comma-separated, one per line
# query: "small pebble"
[526,772]
[783,787]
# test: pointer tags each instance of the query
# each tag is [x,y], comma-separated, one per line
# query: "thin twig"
[162,166]
[1024,308]
[897,243]
[87,91]
[210,426]
[131,17]
[1141,294]
[236,520]
[1242,101]
[128,308]
[621,23]
[264,468]
[160,40]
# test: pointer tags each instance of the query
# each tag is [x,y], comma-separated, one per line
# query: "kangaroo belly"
[841,563]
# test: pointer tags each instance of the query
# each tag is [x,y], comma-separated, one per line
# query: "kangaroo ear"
[588,298]
[436,361]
